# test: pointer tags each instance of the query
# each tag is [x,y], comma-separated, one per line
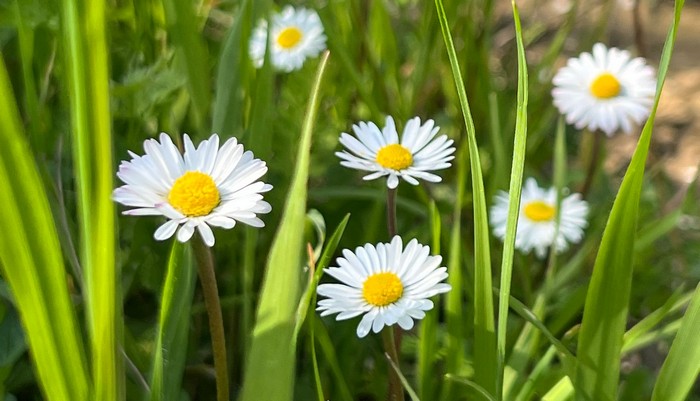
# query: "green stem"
[592,164]
[395,388]
[207,277]
[391,212]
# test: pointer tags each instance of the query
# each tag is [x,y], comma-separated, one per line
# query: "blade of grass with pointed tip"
[88,88]
[682,365]
[605,310]
[32,264]
[516,183]
[272,353]
[173,324]
[484,327]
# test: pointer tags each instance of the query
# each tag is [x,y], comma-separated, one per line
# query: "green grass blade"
[273,348]
[31,262]
[173,324]
[88,82]
[183,27]
[516,183]
[605,310]
[681,367]
[484,327]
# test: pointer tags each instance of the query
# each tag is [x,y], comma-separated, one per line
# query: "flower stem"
[207,278]
[592,164]
[395,388]
[391,212]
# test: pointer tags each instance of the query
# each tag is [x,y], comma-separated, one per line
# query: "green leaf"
[86,62]
[272,353]
[31,262]
[484,328]
[605,310]
[173,324]
[681,367]
[516,183]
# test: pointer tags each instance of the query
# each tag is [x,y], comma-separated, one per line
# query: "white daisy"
[207,186]
[537,219]
[386,283]
[382,153]
[605,90]
[295,35]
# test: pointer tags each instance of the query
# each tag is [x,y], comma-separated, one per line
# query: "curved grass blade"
[516,183]
[173,324]
[31,262]
[605,310]
[88,83]
[484,326]
[273,346]
[681,367]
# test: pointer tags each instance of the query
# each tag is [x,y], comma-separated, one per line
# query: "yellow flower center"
[395,157]
[605,86]
[194,194]
[539,211]
[289,37]
[382,289]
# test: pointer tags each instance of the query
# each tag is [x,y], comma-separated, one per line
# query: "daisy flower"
[381,152]
[386,283]
[606,90]
[207,186]
[295,35]
[537,219]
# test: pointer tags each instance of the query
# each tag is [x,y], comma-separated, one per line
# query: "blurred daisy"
[605,90]
[386,284]
[537,219]
[207,186]
[295,35]
[383,154]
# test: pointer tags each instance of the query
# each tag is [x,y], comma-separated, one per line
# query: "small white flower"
[386,283]
[605,90]
[383,154]
[537,219]
[208,186]
[295,35]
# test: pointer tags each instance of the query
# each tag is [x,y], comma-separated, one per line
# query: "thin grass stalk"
[484,327]
[516,183]
[92,154]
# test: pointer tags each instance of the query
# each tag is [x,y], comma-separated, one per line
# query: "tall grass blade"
[273,348]
[484,337]
[605,310]
[516,184]
[31,262]
[681,367]
[86,61]
[173,325]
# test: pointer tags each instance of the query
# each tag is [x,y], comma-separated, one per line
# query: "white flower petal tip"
[537,219]
[385,283]
[383,154]
[207,186]
[605,90]
[294,36]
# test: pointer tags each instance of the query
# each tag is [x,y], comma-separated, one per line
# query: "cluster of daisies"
[217,186]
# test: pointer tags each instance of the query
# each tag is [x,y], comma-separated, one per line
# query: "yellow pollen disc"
[194,194]
[395,157]
[605,86]
[539,211]
[382,289]
[289,37]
